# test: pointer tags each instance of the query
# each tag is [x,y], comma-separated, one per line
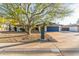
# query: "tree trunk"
[29,31]
[9,27]
[42,33]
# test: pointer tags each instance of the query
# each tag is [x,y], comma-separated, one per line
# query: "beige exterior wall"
[3,27]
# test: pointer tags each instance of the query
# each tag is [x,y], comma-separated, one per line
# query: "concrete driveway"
[67,42]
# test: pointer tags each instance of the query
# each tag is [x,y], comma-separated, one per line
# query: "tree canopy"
[29,15]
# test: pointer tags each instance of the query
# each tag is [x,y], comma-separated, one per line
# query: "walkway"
[36,48]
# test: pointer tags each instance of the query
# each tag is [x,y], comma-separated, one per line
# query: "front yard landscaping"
[19,37]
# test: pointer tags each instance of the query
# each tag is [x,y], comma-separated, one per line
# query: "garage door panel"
[52,29]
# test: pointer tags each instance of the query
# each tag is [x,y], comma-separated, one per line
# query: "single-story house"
[64,28]
[57,28]
[5,27]
[53,27]
[71,28]
[74,28]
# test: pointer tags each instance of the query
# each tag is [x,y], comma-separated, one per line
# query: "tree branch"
[42,10]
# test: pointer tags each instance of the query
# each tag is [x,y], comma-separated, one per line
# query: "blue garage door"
[52,29]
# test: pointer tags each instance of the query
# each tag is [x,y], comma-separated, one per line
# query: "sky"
[73,18]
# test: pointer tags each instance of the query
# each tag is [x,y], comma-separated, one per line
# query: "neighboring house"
[3,27]
[71,28]
[64,28]
[57,28]
[74,28]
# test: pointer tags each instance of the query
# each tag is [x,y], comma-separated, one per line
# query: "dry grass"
[18,37]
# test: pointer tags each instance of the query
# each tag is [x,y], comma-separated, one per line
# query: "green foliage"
[29,15]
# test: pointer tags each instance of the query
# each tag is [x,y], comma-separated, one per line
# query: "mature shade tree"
[29,15]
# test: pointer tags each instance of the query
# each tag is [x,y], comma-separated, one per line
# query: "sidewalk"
[37,49]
